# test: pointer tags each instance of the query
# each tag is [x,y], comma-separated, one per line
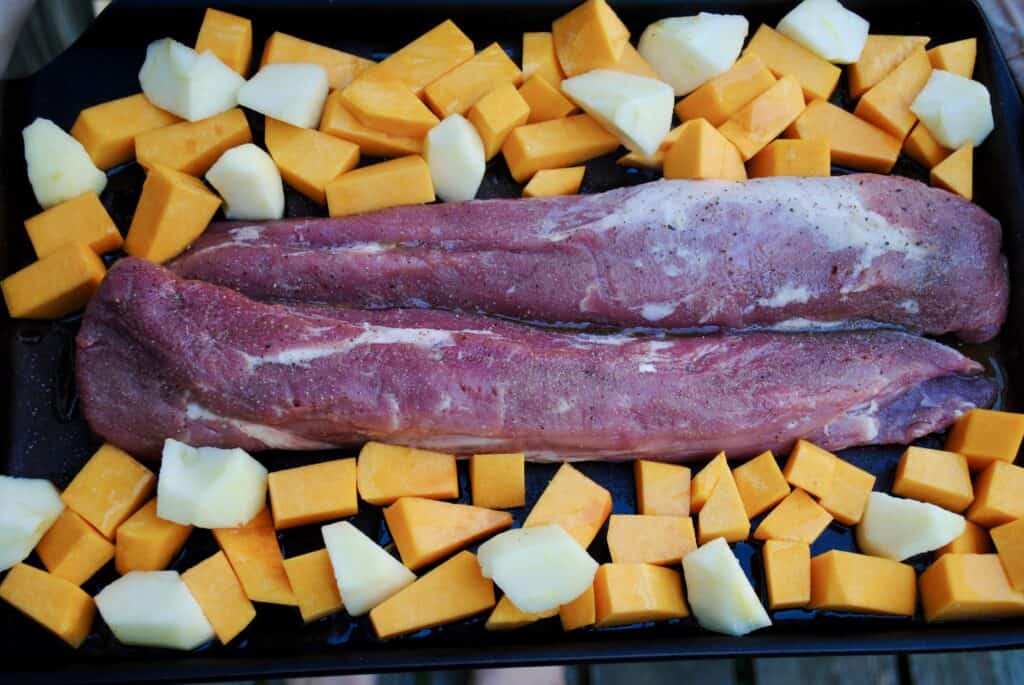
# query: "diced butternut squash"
[425,59]
[107,131]
[635,593]
[887,104]
[791,158]
[545,101]
[974,540]
[760,483]
[551,182]
[591,36]
[402,181]
[956,172]
[146,542]
[507,616]
[852,141]
[968,586]
[1009,541]
[313,493]
[308,160]
[787,568]
[848,494]
[539,57]
[229,37]
[985,435]
[923,148]
[844,581]
[256,558]
[702,152]
[660,540]
[727,93]
[312,579]
[339,122]
[58,605]
[934,476]
[426,530]
[579,613]
[784,56]
[496,114]
[342,67]
[632,62]
[220,595]
[80,220]
[192,146]
[881,54]
[661,489]
[460,88]
[498,481]
[998,495]
[655,161]
[957,57]
[573,501]
[109,488]
[705,480]
[724,514]
[810,468]
[453,591]
[387,472]
[58,284]
[388,106]
[762,119]
[174,209]
[556,143]
[72,549]
[798,518]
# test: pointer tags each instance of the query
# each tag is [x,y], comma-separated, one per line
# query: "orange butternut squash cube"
[312,579]
[797,518]
[551,182]
[760,483]
[387,472]
[844,581]
[792,158]
[556,143]
[705,480]
[539,57]
[425,59]
[881,54]
[496,114]
[810,468]
[635,593]
[397,182]
[655,161]
[58,284]
[852,141]
[661,489]
[985,435]
[1009,541]
[934,476]
[659,540]
[724,514]
[388,106]
[727,93]
[974,540]
[308,160]
[229,37]
[887,104]
[256,558]
[922,147]
[591,36]
[220,595]
[956,172]
[80,220]
[957,57]
[339,122]
[968,586]
[632,62]
[787,568]
[192,146]
[998,495]
[426,530]
[453,591]
[785,57]
[544,100]
[58,605]
[72,549]
[507,616]
[574,502]
[107,131]
[848,494]
[762,119]
[313,493]
[498,481]
[342,67]
[701,151]
[580,612]
[109,488]
[460,88]
[146,542]
[174,209]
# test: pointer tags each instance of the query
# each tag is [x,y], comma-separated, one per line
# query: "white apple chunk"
[365,573]
[59,168]
[250,183]
[208,487]
[455,156]
[954,109]
[898,528]
[687,51]
[720,595]
[538,568]
[291,92]
[827,29]
[28,507]
[182,81]
[637,109]
[153,609]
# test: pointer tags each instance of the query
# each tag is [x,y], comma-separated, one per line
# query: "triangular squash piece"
[956,57]
[705,480]
[574,502]
[880,56]
[956,172]
[723,515]
[426,530]
[507,616]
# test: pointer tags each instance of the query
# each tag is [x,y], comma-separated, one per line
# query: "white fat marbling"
[656,311]
[786,295]
[273,438]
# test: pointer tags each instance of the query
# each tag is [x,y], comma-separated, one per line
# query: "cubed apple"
[455,155]
[954,109]
[190,84]
[59,168]
[291,92]
[897,528]
[28,507]
[153,609]
[827,29]
[248,180]
[721,597]
[366,574]
[687,51]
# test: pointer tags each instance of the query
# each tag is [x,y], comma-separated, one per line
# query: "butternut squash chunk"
[109,488]
[659,540]
[997,497]
[342,67]
[705,480]
[762,119]
[545,101]
[80,220]
[1009,541]
[727,93]
[881,54]
[397,182]
[810,468]
[506,616]
[760,483]
[791,158]
[72,549]
[787,568]
[107,131]
[387,472]
[312,579]
[579,613]
[496,114]
[968,586]
[192,146]
[539,57]
[256,557]
[957,57]
[339,122]
[635,593]
[58,605]
[844,581]
[591,36]
[887,104]
[228,36]
[551,182]
[848,494]
[313,493]
[724,514]
[784,56]
[956,172]
[934,476]
[426,530]
[852,141]
[556,143]
[308,160]
[146,542]
[573,501]
[703,152]
[985,435]
[460,88]
[797,518]
[425,59]
[498,481]
[922,147]
[388,106]
[974,540]
[661,489]
[58,284]
[220,595]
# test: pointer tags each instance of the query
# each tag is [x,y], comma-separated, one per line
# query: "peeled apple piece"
[291,92]
[687,51]
[209,487]
[455,156]
[637,109]
[28,507]
[190,84]
[248,180]
[897,528]
[365,573]
[59,168]
[721,597]
[153,609]
[827,29]
[954,109]
[538,568]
